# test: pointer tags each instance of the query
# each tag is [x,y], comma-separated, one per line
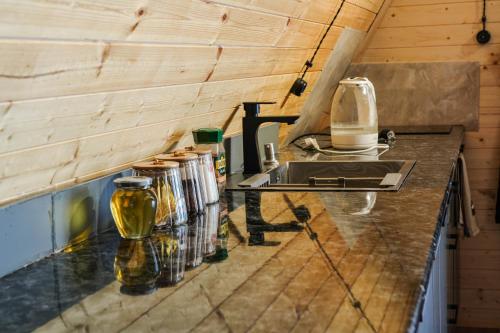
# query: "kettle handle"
[371,86]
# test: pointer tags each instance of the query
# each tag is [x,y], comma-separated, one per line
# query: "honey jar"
[133,206]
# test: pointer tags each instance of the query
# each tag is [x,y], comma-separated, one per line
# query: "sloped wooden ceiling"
[90,86]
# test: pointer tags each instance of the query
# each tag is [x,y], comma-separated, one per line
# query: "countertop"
[355,263]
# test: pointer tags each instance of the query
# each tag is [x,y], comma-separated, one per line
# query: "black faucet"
[257,226]
[251,123]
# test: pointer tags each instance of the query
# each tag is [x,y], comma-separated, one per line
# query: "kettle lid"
[355,81]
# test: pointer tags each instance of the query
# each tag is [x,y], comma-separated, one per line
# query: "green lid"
[207,135]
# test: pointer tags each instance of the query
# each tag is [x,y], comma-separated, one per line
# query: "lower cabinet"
[439,303]
[434,315]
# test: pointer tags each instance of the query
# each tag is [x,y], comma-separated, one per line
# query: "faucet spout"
[251,123]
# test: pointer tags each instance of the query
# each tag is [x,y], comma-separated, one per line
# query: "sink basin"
[387,175]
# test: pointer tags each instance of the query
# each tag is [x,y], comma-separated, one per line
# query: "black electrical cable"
[309,63]
[300,85]
[484,35]
[483,19]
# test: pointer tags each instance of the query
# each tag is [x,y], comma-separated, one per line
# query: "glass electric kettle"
[354,123]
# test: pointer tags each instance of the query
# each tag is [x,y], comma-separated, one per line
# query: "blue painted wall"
[35,228]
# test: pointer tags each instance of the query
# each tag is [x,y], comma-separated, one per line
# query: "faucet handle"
[252,109]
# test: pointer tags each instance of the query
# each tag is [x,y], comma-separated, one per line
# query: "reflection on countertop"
[282,262]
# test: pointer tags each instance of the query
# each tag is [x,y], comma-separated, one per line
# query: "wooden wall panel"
[483,158]
[312,10]
[32,123]
[490,75]
[427,31]
[486,220]
[462,34]
[484,317]
[28,70]
[438,14]
[479,259]
[399,3]
[486,137]
[187,21]
[159,21]
[486,55]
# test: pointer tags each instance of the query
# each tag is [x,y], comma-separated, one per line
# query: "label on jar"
[220,167]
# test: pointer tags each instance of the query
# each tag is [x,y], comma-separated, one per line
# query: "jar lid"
[207,135]
[199,151]
[179,156]
[133,182]
[156,165]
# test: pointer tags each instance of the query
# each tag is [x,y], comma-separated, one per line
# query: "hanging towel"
[467,211]
[497,215]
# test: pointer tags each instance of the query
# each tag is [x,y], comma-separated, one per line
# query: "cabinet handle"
[453,320]
[452,246]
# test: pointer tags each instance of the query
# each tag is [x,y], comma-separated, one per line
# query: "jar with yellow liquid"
[171,245]
[137,266]
[167,185]
[133,206]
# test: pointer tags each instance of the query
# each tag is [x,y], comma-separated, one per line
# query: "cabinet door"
[428,312]
[443,278]
[434,313]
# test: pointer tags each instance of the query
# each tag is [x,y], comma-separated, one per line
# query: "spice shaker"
[221,252]
[133,206]
[171,244]
[212,138]
[210,238]
[191,181]
[167,185]
[207,173]
[137,266]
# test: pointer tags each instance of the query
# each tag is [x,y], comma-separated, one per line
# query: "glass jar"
[167,186]
[196,233]
[207,173]
[171,245]
[133,206]
[191,181]
[137,266]
[212,138]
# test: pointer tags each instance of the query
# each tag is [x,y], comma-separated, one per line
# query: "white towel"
[467,212]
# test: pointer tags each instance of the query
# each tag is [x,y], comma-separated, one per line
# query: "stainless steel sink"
[387,175]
